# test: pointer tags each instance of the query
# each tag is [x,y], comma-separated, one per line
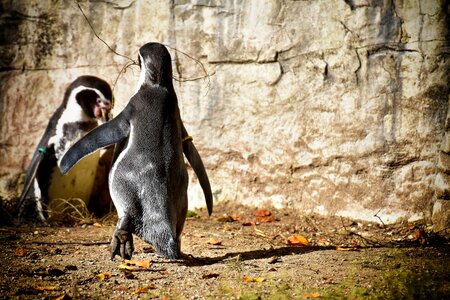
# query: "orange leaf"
[253,279]
[103,276]
[46,288]
[135,265]
[263,213]
[144,289]
[20,252]
[312,295]
[214,242]
[347,249]
[297,240]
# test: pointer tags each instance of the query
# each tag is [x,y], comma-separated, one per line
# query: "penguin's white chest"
[77,183]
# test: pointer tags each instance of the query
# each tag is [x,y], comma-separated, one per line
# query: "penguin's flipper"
[107,134]
[196,163]
[38,157]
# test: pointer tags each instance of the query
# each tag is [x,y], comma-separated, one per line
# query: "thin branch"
[133,62]
[95,33]
[376,215]
[122,71]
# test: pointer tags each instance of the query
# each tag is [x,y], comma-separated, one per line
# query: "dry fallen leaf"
[135,265]
[312,295]
[144,289]
[263,213]
[214,242]
[20,252]
[103,276]
[253,279]
[46,288]
[297,240]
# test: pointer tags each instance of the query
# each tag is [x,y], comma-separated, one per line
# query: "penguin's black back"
[156,157]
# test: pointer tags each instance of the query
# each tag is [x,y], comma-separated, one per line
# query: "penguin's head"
[93,95]
[156,64]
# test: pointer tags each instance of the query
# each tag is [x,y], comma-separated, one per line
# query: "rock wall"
[331,106]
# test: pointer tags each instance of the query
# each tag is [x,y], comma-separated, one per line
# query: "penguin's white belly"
[77,183]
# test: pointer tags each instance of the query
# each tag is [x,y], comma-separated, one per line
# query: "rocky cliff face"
[337,107]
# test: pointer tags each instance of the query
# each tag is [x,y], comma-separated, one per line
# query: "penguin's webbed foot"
[122,240]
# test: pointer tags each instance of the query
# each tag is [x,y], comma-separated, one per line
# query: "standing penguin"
[86,100]
[148,180]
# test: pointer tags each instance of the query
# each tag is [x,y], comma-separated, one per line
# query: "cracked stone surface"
[334,107]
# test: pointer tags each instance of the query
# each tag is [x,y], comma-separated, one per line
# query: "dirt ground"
[238,253]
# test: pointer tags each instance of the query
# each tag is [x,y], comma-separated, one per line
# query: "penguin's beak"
[102,110]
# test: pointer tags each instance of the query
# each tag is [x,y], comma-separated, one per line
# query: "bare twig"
[95,33]
[376,215]
[133,62]
[122,71]
[198,62]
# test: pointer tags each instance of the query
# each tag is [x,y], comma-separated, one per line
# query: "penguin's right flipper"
[196,163]
[107,134]
[39,157]
[30,176]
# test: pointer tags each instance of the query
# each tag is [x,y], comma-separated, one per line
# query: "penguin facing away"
[86,100]
[148,180]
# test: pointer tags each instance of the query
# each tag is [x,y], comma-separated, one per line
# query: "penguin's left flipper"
[107,134]
[196,163]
